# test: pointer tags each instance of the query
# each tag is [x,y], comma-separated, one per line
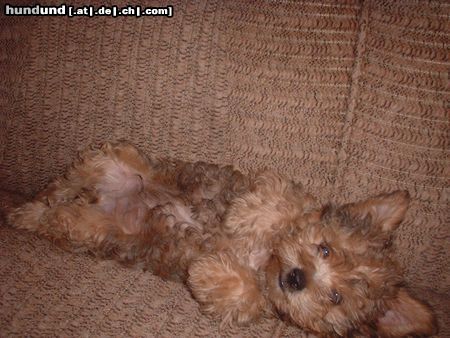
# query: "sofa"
[348,97]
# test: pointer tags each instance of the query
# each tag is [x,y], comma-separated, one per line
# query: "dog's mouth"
[285,317]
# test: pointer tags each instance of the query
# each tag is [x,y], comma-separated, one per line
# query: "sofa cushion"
[350,98]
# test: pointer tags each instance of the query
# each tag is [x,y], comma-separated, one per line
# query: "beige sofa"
[349,97]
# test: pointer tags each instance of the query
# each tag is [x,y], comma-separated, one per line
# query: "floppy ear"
[406,316]
[385,211]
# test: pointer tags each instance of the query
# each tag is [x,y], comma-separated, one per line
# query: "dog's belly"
[134,199]
[165,220]
[135,213]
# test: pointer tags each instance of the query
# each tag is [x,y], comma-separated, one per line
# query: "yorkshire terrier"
[245,245]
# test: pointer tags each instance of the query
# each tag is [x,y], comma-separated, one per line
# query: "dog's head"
[336,274]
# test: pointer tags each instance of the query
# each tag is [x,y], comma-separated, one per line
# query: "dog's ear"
[385,211]
[406,316]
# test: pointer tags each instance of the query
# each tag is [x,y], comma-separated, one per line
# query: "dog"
[245,245]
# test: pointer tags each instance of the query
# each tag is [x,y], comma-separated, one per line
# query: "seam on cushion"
[352,100]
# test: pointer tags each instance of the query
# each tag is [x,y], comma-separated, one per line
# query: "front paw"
[224,287]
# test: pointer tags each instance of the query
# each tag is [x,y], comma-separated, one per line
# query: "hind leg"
[102,182]
[110,168]
[73,226]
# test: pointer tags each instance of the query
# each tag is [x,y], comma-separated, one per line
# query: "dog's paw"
[224,287]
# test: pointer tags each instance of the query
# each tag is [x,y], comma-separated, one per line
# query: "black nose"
[296,279]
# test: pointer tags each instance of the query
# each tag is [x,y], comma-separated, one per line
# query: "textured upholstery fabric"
[349,97]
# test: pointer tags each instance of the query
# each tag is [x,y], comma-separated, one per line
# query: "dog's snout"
[296,279]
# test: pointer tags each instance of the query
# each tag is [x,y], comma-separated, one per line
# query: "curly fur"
[245,245]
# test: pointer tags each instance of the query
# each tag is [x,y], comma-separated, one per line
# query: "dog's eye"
[335,297]
[324,250]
